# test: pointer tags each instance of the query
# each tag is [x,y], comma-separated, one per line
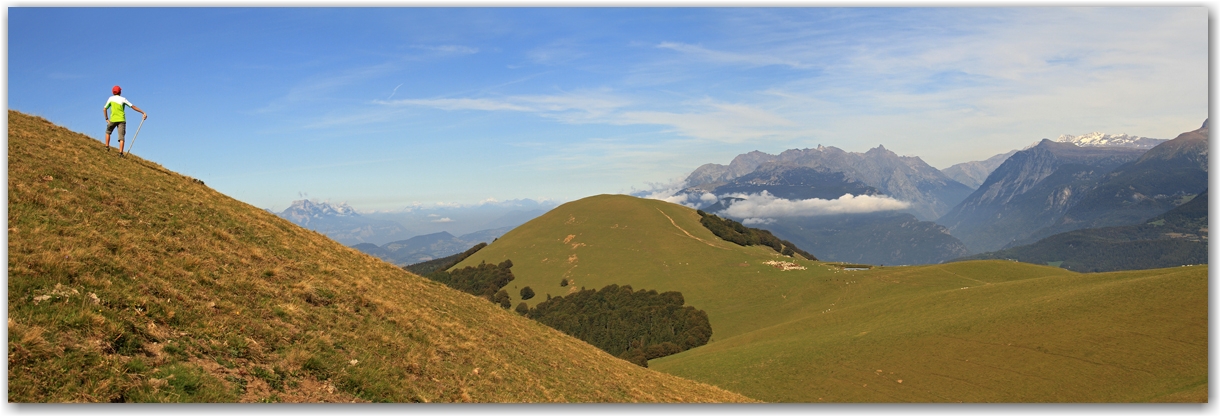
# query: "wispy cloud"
[732,58]
[448,49]
[721,122]
[323,87]
[704,119]
[588,106]
[557,52]
[459,104]
[394,92]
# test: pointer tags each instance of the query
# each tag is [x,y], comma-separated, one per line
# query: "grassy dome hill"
[977,331]
[129,282]
[651,244]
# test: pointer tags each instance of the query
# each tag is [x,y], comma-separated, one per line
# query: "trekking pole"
[133,138]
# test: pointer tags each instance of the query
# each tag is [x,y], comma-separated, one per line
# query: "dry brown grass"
[129,282]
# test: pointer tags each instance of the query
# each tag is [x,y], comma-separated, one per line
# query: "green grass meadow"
[980,331]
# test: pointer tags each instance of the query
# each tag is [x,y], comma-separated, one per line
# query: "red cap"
[116,89]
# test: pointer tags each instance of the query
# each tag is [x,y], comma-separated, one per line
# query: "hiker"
[117,117]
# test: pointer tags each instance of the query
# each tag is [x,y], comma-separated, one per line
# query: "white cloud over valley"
[763,205]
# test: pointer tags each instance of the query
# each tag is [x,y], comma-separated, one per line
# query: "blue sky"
[385,107]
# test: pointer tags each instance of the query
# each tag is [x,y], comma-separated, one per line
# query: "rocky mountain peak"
[317,209]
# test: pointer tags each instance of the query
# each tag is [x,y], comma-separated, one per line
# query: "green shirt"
[118,106]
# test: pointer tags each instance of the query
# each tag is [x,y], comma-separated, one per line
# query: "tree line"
[634,325]
[741,235]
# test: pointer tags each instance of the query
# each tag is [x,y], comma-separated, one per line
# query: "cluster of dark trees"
[484,280]
[443,263]
[634,325]
[741,235]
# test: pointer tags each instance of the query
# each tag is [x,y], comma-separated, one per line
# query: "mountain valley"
[184,294]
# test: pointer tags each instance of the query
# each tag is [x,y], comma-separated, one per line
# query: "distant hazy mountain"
[513,218]
[885,238]
[485,236]
[463,219]
[794,182]
[430,246]
[423,248]
[905,178]
[341,223]
[714,174]
[1031,190]
[1175,238]
[973,174]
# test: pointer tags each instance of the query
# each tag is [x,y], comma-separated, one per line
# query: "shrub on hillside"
[527,293]
[502,298]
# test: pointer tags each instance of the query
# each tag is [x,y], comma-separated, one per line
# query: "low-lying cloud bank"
[757,207]
[690,200]
[763,208]
[670,192]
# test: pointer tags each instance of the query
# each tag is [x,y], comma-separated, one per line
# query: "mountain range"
[1012,198]
[1162,178]
[1029,191]
[929,191]
[1055,187]
[344,224]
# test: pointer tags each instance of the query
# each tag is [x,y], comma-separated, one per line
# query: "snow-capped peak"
[1097,139]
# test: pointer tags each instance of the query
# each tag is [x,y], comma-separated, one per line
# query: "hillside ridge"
[129,282]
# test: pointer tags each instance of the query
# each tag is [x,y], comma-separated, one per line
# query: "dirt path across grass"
[671,221]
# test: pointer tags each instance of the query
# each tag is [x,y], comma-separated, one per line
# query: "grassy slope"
[1019,332]
[625,240]
[130,282]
